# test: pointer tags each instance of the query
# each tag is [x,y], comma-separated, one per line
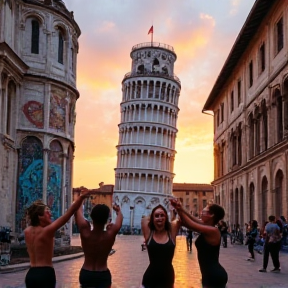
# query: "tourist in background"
[272,245]
[251,239]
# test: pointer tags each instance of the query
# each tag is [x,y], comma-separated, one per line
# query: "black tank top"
[160,272]
[213,274]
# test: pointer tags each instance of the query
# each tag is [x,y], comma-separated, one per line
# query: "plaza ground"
[128,265]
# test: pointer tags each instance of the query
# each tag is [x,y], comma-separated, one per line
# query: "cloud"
[202,34]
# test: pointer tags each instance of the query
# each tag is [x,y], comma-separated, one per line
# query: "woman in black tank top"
[208,243]
[160,237]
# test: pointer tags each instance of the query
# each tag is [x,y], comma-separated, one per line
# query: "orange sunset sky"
[202,33]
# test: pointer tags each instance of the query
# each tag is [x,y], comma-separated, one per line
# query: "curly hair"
[151,221]
[36,209]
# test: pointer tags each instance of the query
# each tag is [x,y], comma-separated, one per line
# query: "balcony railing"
[152,73]
[153,44]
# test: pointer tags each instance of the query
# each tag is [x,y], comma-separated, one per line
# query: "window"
[239,92]
[187,193]
[60,47]
[232,101]
[251,73]
[72,59]
[280,35]
[222,112]
[204,203]
[218,117]
[262,57]
[35,37]
[204,193]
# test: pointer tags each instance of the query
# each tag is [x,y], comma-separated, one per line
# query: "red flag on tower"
[150,30]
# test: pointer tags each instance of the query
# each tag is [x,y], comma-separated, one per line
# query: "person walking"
[224,232]
[39,238]
[272,245]
[97,245]
[251,235]
[189,238]
[207,243]
[160,238]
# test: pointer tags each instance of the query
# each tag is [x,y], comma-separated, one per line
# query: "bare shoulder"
[112,229]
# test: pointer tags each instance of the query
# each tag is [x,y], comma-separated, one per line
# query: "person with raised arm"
[97,245]
[160,238]
[207,243]
[39,238]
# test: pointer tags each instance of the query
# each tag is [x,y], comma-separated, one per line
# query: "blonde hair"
[36,209]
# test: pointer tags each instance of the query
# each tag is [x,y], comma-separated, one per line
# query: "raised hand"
[116,208]
[175,202]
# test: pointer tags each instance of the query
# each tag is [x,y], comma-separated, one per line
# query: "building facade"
[250,105]
[101,195]
[147,132]
[194,197]
[38,50]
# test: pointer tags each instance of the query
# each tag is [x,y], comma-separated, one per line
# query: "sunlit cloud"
[202,34]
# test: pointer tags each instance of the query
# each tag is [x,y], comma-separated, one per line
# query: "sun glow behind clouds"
[202,38]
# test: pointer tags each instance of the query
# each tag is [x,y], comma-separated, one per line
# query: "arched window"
[264,190]
[35,37]
[54,181]
[239,143]
[257,131]
[251,135]
[265,125]
[30,178]
[286,105]
[60,46]
[237,206]
[241,205]
[251,201]
[278,194]
[279,115]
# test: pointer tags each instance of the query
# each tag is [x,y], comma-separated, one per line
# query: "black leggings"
[251,247]
[43,277]
[95,279]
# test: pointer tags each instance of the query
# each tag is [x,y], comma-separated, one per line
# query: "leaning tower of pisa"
[147,132]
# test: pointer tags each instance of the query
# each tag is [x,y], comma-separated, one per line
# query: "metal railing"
[152,73]
[153,44]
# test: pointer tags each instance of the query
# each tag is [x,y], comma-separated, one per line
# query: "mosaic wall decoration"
[58,105]
[54,181]
[30,181]
[33,111]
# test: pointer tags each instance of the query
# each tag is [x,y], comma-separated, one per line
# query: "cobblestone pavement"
[128,264]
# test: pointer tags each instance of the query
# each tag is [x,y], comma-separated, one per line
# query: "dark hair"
[254,224]
[100,214]
[151,221]
[36,209]
[217,211]
[283,218]
[271,218]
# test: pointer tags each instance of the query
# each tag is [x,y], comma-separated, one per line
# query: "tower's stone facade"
[147,132]
[38,49]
